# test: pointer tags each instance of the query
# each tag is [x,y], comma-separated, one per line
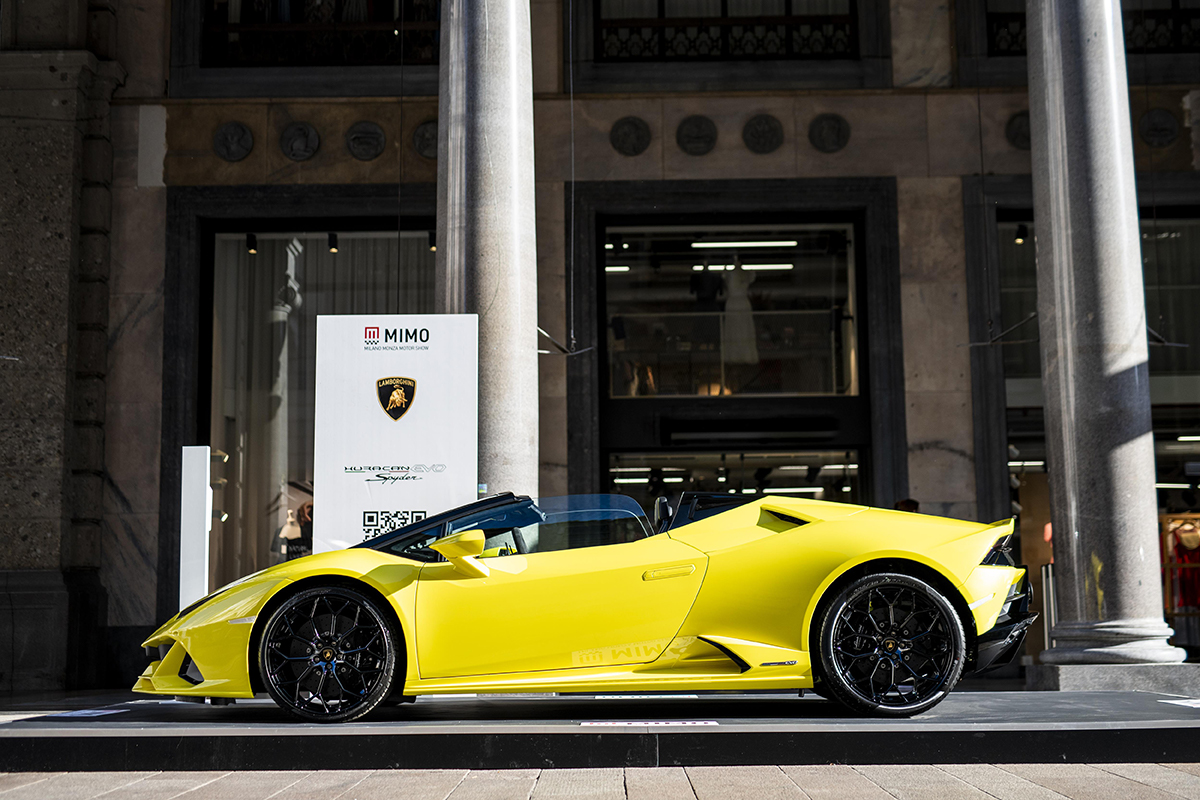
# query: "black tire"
[328,654]
[891,646]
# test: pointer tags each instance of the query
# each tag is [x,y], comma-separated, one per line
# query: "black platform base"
[495,732]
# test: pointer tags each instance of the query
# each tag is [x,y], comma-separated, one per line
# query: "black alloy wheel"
[891,646]
[328,654]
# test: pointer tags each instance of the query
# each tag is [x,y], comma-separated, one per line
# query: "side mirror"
[662,513]
[462,550]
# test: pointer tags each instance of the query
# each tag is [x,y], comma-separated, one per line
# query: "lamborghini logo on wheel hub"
[396,395]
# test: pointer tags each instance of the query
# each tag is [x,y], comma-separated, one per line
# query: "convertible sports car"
[880,610]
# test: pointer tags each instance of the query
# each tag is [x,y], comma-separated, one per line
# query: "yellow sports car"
[879,610]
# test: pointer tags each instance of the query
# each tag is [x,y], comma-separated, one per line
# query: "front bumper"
[1000,645]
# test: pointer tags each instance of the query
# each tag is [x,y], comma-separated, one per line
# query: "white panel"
[373,473]
[195,524]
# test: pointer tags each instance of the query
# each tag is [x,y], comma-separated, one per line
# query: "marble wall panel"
[953,134]
[143,39]
[1000,157]
[190,159]
[129,568]
[1175,157]
[595,157]
[730,158]
[332,163]
[934,320]
[135,348]
[888,135]
[552,140]
[921,43]
[546,22]
[415,167]
[125,146]
[138,241]
[941,460]
[552,367]
[932,247]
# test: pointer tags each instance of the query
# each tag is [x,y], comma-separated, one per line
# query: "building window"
[1164,35]
[723,30]
[264,315]
[731,310]
[319,33]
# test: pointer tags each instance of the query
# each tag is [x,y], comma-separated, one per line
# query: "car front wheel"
[328,654]
[891,645]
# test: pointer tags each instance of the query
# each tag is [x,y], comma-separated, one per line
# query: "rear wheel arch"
[292,589]
[903,566]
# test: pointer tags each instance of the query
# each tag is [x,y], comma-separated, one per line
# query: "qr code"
[377,523]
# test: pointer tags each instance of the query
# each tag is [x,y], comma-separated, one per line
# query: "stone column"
[1091,314]
[487,255]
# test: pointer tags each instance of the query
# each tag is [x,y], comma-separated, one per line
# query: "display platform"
[494,731]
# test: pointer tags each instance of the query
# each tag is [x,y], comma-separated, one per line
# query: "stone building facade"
[135,158]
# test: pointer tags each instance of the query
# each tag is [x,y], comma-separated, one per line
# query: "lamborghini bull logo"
[396,395]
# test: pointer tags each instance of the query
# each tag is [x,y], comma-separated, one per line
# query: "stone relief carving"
[829,133]
[696,135]
[425,139]
[1016,131]
[233,141]
[630,136]
[1158,127]
[365,141]
[299,141]
[762,134]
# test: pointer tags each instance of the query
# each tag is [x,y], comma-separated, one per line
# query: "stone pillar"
[1091,314]
[487,255]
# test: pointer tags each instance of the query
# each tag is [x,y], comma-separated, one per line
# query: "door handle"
[681,571]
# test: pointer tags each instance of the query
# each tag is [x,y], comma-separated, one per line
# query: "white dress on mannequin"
[740,341]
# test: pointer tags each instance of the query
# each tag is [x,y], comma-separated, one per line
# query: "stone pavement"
[915,782]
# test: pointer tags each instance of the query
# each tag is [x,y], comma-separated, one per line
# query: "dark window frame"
[195,214]
[872,68]
[189,79]
[874,419]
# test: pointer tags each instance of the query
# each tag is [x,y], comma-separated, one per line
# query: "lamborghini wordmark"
[882,611]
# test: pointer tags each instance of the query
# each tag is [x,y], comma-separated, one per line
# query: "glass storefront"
[731,310]
[265,307]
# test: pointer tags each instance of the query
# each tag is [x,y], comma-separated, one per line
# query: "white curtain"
[265,309]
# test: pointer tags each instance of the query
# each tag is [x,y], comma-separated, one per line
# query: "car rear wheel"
[891,646]
[328,654]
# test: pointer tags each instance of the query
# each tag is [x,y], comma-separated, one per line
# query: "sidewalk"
[945,782]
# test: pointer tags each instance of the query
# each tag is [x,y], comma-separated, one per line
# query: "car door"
[586,588]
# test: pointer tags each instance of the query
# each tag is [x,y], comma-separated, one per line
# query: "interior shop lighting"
[629,469]
[1027,463]
[672,480]
[795,490]
[845,488]
[251,244]
[619,268]
[433,241]
[731,267]
[1188,439]
[220,515]
[333,243]
[1021,235]
[608,245]
[631,480]
[766,266]
[823,466]
[1172,486]
[726,245]
[221,454]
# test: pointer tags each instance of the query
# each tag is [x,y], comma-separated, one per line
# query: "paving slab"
[15,780]
[761,783]
[75,786]
[998,783]
[592,784]
[496,784]
[410,784]
[1193,769]
[658,783]
[1174,781]
[245,785]
[834,782]
[918,782]
[1084,782]
[164,786]
[325,785]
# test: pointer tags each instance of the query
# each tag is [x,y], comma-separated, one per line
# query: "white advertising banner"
[397,431]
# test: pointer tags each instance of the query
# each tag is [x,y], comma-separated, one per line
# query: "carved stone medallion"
[696,135]
[299,141]
[233,141]
[630,136]
[425,139]
[365,141]
[1158,127]
[829,133]
[1017,130]
[762,134]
